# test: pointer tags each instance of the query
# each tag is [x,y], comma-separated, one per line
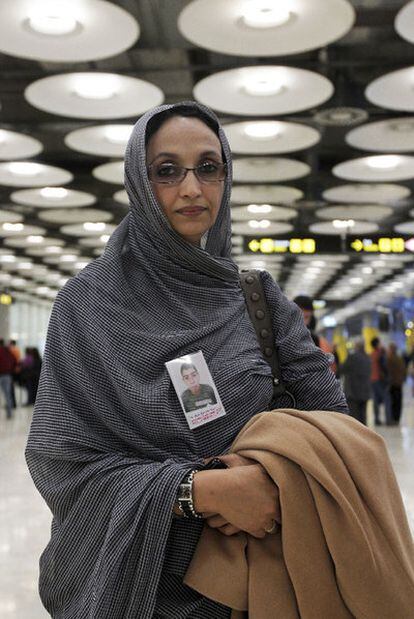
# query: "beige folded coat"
[344,548]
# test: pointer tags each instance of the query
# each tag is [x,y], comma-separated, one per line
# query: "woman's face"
[191,207]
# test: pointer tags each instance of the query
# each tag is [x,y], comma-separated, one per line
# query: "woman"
[109,444]
[31,366]
[356,371]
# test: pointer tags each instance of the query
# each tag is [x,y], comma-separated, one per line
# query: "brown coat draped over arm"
[344,548]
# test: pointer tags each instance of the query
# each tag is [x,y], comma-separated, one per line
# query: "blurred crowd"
[378,375]
[18,370]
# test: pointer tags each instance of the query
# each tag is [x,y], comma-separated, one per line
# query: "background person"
[379,382]
[356,371]
[306,305]
[7,365]
[15,351]
[397,373]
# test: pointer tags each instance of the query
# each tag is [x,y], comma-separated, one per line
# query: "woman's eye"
[166,170]
[209,167]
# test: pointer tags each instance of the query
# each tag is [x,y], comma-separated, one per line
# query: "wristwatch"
[185,497]
[185,489]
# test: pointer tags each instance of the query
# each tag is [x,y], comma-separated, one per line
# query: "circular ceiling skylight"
[357,227]
[88,229]
[74,215]
[53,197]
[268,169]
[110,172]
[264,90]
[366,212]
[376,168]
[265,27]
[404,22]
[121,197]
[65,30]
[407,227]
[362,193]
[18,146]
[105,140]
[396,135]
[7,216]
[93,95]
[269,137]
[262,211]
[265,194]
[31,174]
[19,229]
[393,91]
[261,228]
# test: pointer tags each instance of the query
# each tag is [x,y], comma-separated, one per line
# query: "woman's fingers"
[216,521]
[229,529]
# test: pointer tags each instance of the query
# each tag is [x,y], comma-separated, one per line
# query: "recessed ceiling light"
[54,193]
[13,227]
[118,133]
[105,238]
[25,265]
[93,86]
[262,130]
[94,226]
[263,223]
[53,249]
[68,258]
[259,208]
[265,14]
[54,18]
[7,258]
[264,83]
[35,239]
[3,136]
[25,168]
[343,223]
[43,290]
[383,162]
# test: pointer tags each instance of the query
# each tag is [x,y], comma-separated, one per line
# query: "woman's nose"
[190,186]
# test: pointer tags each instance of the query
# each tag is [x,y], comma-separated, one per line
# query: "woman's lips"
[191,211]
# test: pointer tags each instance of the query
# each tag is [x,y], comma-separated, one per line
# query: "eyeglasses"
[172,174]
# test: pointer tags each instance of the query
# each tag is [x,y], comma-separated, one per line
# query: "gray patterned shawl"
[109,444]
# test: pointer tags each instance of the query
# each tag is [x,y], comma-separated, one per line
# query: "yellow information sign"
[282,246]
[384,245]
[5,299]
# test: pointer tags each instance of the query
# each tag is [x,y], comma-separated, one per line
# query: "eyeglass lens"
[170,173]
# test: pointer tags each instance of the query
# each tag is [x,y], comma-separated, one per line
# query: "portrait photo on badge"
[195,389]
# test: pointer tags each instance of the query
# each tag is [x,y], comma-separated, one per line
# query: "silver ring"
[272,529]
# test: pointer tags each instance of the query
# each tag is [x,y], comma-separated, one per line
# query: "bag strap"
[259,313]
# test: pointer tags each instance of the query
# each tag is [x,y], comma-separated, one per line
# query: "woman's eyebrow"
[207,153]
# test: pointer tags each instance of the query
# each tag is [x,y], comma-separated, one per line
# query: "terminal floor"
[25,519]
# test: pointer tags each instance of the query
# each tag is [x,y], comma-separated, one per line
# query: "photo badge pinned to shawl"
[344,548]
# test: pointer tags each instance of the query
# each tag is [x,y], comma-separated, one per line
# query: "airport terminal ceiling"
[322,137]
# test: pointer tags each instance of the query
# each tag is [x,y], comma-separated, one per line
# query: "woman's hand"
[241,498]
[215,521]
[250,501]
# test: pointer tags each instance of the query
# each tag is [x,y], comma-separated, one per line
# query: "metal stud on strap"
[262,321]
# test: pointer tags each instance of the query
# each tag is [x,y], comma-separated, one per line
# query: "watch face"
[185,492]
